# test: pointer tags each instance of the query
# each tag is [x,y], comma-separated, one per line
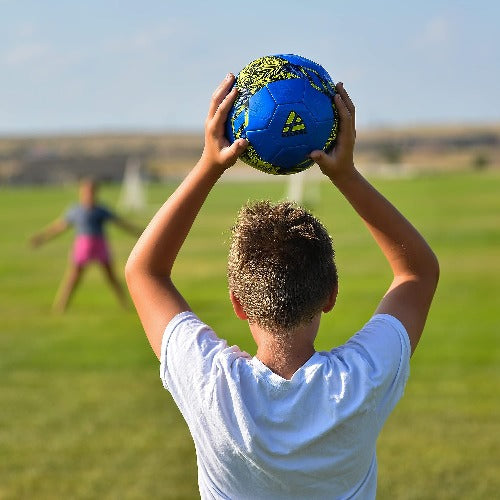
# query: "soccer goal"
[133,193]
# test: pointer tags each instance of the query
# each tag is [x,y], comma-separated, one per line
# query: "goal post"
[304,189]
[133,192]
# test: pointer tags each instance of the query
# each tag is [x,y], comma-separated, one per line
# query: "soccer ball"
[285,110]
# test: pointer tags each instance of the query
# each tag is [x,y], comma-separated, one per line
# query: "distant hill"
[65,158]
[431,148]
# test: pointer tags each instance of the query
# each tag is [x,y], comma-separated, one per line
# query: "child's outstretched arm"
[51,231]
[127,226]
[149,266]
[413,263]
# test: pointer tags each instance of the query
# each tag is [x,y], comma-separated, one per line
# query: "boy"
[89,218]
[290,422]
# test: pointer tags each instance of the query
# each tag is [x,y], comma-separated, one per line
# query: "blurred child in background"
[88,217]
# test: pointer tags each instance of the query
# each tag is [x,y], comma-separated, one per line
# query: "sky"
[151,65]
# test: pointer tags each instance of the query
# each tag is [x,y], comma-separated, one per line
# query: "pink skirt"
[88,248]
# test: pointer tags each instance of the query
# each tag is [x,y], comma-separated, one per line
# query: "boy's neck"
[285,364]
[285,354]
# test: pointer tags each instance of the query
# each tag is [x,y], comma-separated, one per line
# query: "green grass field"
[83,413]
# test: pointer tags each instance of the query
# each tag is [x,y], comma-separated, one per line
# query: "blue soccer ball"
[285,110]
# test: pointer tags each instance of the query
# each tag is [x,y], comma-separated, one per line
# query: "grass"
[83,411]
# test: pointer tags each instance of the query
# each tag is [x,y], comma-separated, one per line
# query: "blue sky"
[133,65]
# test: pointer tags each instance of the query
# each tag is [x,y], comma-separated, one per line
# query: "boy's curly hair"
[281,265]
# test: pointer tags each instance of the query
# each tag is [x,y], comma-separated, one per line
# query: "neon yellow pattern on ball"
[254,77]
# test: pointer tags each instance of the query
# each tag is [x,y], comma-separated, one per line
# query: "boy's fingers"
[344,114]
[220,93]
[345,96]
[346,100]
[222,110]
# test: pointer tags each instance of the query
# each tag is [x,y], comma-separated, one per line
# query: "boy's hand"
[218,151]
[340,160]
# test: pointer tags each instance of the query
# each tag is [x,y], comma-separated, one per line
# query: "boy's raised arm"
[415,267]
[148,269]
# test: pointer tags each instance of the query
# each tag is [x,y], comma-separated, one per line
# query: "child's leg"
[115,283]
[67,287]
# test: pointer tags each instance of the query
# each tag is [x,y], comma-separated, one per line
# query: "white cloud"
[437,33]
[25,30]
[25,53]
[157,37]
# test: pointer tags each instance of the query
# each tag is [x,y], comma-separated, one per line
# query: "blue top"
[89,221]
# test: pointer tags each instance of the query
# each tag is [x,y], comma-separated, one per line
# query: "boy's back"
[298,438]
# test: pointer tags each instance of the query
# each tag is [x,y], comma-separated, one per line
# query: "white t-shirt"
[259,436]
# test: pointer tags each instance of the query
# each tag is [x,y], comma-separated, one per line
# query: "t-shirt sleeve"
[188,360]
[383,347]
[70,214]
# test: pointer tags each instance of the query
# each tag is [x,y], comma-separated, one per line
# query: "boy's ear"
[238,309]
[331,299]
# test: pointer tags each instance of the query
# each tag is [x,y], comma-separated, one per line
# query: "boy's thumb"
[237,147]
[242,145]
[232,152]
[317,156]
